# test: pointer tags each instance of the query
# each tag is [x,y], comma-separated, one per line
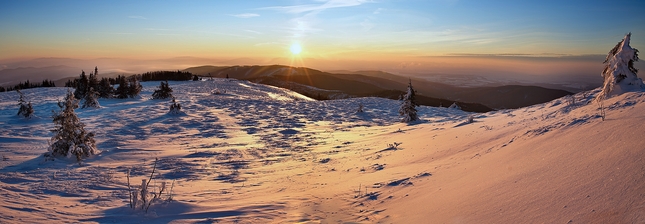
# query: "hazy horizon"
[483,38]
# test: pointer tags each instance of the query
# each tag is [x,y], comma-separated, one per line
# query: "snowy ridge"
[261,154]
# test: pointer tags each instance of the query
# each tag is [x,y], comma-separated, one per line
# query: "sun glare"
[295,48]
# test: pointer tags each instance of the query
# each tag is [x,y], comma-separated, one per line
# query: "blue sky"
[351,30]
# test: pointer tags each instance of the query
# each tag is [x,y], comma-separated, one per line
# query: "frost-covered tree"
[104,89]
[175,108]
[134,88]
[408,107]
[70,138]
[454,106]
[93,81]
[164,91]
[82,86]
[121,92]
[360,108]
[619,72]
[91,99]
[25,110]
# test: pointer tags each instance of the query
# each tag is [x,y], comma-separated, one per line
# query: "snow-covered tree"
[175,108]
[454,106]
[164,91]
[70,138]
[408,107]
[26,110]
[91,99]
[122,91]
[82,86]
[104,89]
[134,88]
[93,81]
[619,72]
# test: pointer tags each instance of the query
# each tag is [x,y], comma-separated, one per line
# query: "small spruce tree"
[121,92]
[454,106]
[164,91]
[70,138]
[408,107]
[619,73]
[26,110]
[91,99]
[175,108]
[134,88]
[360,108]
[82,86]
[104,89]
[93,81]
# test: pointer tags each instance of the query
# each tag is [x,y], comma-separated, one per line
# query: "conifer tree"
[164,91]
[93,81]
[408,107]
[82,86]
[70,137]
[134,88]
[619,73]
[91,99]
[175,107]
[123,89]
[104,89]
[26,110]
[360,108]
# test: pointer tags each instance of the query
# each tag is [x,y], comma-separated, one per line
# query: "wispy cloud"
[245,15]
[137,17]
[267,43]
[303,24]
[367,25]
[328,4]
[157,29]
[253,31]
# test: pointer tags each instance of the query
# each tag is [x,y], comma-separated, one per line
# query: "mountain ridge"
[379,81]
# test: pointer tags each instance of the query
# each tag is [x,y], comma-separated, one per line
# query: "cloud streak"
[245,15]
[306,8]
[137,17]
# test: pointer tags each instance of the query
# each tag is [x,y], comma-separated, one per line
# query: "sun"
[295,48]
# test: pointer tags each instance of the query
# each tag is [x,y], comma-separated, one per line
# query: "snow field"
[260,154]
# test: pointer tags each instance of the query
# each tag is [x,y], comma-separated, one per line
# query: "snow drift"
[260,154]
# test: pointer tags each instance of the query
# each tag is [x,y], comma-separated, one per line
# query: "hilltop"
[325,85]
[261,154]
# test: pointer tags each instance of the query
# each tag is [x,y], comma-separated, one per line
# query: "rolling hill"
[260,154]
[382,84]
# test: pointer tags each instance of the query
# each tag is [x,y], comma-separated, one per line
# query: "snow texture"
[260,154]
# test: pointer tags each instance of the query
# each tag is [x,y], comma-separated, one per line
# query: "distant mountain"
[323,85]
[509,97]
[13,76]
[383,84]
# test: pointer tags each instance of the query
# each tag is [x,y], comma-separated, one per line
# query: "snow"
[260,154]
[619,74]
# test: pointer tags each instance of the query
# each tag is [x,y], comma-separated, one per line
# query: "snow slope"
[260,154]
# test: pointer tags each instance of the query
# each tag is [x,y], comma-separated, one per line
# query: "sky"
[403,32]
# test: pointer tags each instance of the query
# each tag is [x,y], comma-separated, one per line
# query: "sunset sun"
[295,48]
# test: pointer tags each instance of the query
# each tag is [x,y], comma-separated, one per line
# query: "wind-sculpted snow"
[251,153]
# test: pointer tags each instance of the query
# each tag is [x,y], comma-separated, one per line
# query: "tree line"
[28,85]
